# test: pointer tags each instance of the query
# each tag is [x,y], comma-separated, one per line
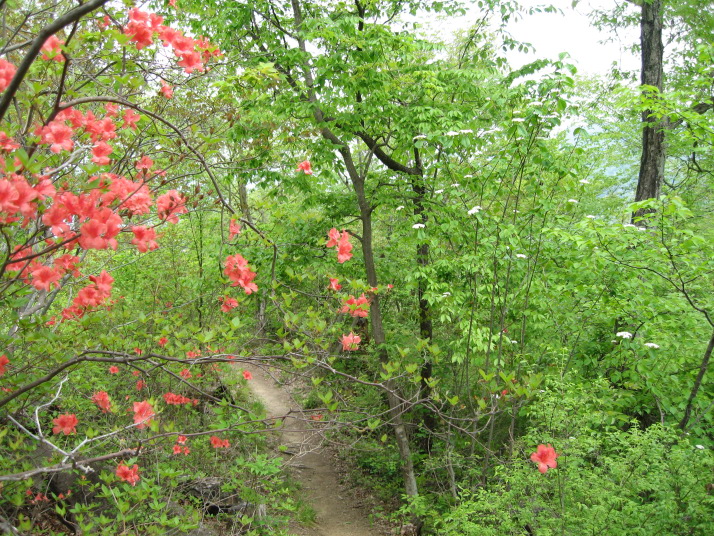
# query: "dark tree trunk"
[653,152]
[697,384]
[396,404]
[426,331]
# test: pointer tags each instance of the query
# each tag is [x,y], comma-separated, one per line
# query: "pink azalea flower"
[128,474]
[233,229]
[334,284]
[218,443]
[65,424]
[306,167]
[143,412]
[545,458]
[344,248]
[7,71]
[167,90]
[350,342]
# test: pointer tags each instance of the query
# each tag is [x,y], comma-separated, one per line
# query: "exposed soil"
[340,511]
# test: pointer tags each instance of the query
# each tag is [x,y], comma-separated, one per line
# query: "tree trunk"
[653,151]
[396,405]
[426,330]
[261,320]
[697,384]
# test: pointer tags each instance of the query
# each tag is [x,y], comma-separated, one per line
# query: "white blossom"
[584,181]
[439,192]
[475,210]
[455,185]
[591,217]
[420,137]
[700,447]
[521,256]
[466,131]
[452,133]
[651,345]
[400,207]
[573,201]
[624,334]
[518,120]
[418,226]
[468,176]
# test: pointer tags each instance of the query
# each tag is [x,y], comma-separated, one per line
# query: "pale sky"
[552,33]
[572,32]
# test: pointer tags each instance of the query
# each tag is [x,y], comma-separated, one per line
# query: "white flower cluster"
[624,334]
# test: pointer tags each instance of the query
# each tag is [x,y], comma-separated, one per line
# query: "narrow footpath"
[339,513]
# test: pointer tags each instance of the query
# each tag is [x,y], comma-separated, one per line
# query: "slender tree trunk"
[697,383]
[426,329]
[653,150]
[396,405]
[261,319]
[243,200]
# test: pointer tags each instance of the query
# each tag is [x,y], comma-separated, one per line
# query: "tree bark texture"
[653,150]
[697,384]
[396,405]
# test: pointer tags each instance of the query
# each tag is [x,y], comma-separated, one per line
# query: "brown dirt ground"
[340,511]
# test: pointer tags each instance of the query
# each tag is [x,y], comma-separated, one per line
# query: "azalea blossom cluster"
[228,303]
[233,229]
[342,242]
[350,342]
[192,53]
[237,270]
[173,399]
[180,446]
[218,443]
[128,474]
[545,456]
[88,220]
[91,296]
[357,307]
[102,400]
[63,212]
[7,71]
[143,413]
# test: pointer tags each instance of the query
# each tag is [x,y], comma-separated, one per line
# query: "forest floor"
[340,510]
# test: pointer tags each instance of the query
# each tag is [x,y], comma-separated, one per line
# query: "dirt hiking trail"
[339,512]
